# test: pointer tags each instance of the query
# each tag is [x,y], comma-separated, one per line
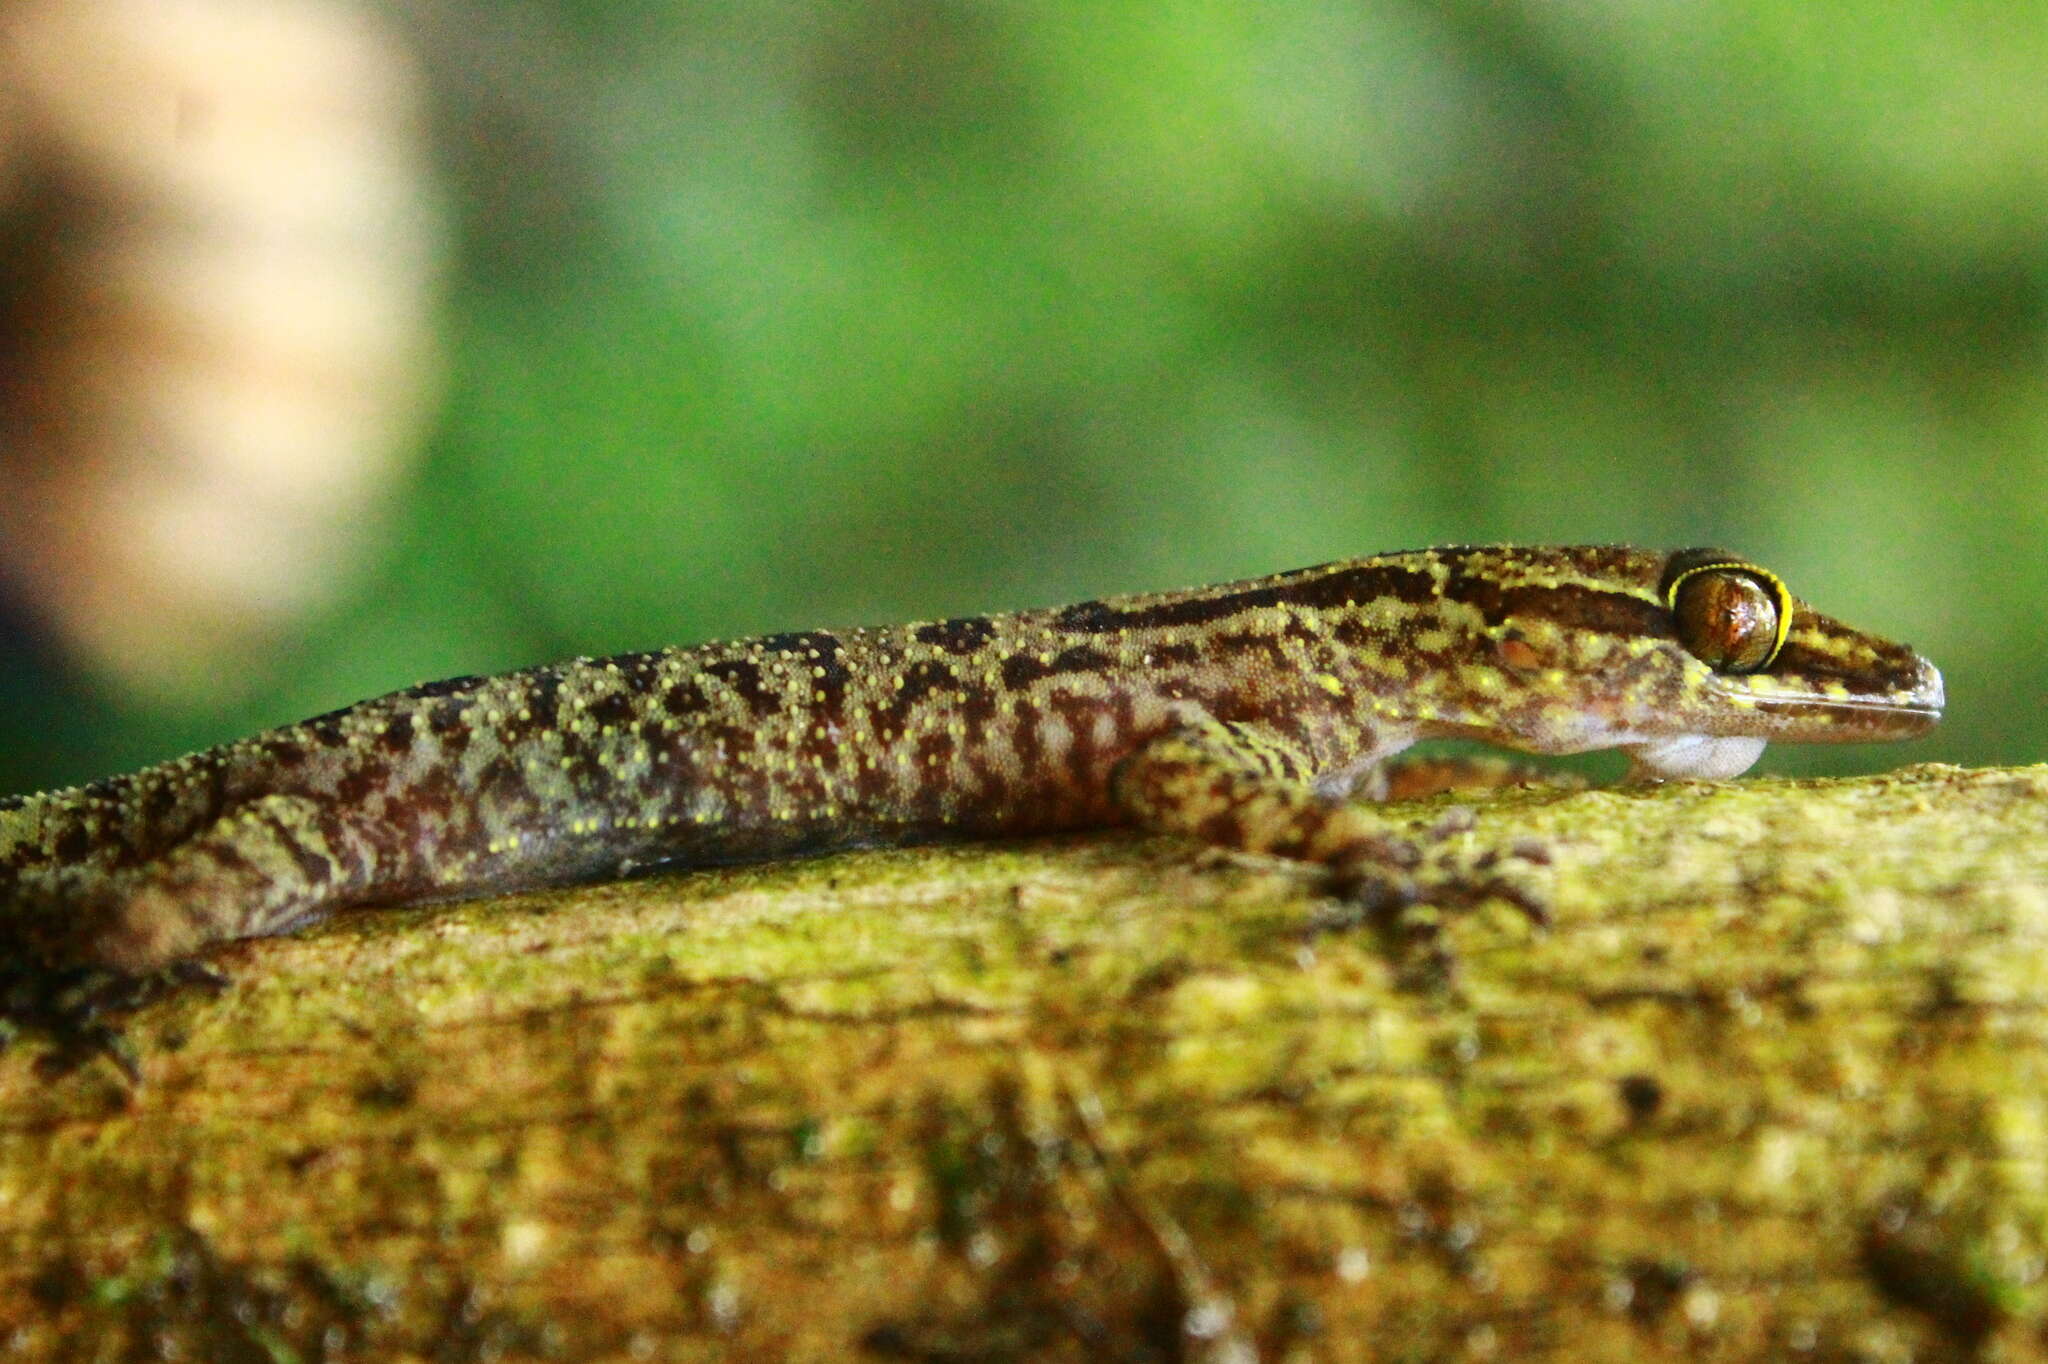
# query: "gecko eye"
[1731,617]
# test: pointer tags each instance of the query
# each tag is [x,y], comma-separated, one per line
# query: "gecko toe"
[1376,885]
[79,1011]
[1387,878]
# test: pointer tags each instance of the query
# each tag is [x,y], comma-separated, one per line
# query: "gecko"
[1256,716]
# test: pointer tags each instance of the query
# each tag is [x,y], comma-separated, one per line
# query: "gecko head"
[1692,661]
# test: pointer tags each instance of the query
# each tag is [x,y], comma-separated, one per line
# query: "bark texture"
[1770,1086]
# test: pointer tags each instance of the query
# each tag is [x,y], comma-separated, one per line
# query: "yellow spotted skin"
[1247,715]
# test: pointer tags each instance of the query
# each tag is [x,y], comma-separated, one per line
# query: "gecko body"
[1250,715]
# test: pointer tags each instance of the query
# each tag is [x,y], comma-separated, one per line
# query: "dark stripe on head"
[1613,613]
[1316,589]
[1572,605]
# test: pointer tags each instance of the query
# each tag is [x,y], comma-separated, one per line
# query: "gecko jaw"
[1815,715]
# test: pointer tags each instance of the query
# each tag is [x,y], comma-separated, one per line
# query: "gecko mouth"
[1913,708]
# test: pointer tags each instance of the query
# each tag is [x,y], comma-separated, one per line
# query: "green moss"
[921,1098]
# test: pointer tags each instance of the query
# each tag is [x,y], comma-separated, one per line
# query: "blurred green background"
[787,314]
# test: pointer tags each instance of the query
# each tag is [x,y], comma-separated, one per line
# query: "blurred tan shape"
[10,140]
[223,326]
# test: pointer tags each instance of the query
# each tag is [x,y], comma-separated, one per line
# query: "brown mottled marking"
[1245,715]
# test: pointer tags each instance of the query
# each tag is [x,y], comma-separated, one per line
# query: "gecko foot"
[77,1010]
[1403,889]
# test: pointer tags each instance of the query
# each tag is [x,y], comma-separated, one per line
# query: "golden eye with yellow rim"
[1730,615]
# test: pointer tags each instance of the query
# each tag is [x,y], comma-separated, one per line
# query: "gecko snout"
[1925,698]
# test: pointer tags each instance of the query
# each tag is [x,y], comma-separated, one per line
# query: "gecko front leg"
[1239,786]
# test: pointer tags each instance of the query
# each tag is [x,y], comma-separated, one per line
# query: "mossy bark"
[1771,1085]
